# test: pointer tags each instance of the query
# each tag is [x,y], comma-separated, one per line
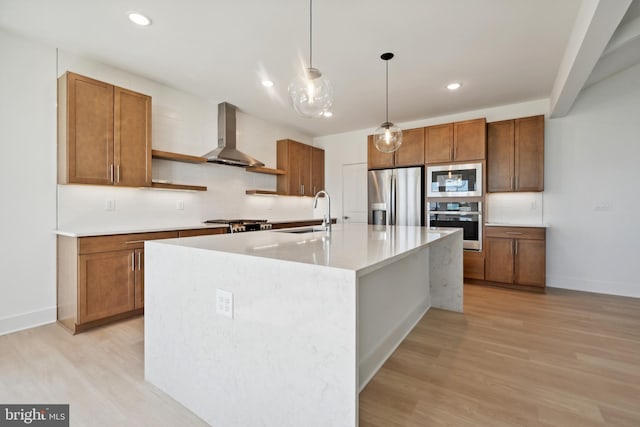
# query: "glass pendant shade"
[311,94]
[387,138]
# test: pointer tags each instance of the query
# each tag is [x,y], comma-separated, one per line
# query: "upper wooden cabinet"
[455,142]
[515,158]
[304,166]
[410,153]
[104,133]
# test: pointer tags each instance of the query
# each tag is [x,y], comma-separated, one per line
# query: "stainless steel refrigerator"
[396,196]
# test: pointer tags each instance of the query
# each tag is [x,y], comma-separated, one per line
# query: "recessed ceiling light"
[140,19]
[327,114]
[454,86]
[267,83]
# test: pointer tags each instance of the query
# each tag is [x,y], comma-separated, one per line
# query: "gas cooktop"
[240,225]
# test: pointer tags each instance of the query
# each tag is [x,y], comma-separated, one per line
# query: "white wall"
[591,197]
[28,176]
[185,124]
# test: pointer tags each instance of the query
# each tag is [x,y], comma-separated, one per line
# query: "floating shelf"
[267,171]
[177,157]
[263,193]
[167,186]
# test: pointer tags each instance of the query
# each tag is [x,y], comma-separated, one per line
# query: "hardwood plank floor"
[100,373]
[512,359]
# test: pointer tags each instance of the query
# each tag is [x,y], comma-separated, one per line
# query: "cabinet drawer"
[202,232]
[118,242]
[536,233]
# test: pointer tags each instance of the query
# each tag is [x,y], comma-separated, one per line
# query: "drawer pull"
[131,242]
[514,233]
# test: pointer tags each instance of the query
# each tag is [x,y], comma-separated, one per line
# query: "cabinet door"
[469,140]
[499,260]
[106,284]
[377,159]
[139,279]
[132,138]
[500,156]
[300,166]
[411,152]
[530,262]
[317,169]
[89,122]
[438,141]
[529,153]
[473,263]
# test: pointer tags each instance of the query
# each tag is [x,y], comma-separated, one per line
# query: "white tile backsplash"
[514,208]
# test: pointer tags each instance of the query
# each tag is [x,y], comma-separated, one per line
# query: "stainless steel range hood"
[226,153]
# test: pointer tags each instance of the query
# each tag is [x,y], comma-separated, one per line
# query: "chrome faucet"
[326,219]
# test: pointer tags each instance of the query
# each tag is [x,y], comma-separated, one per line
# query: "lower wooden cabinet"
[101,278]
[473,265]
[516,256]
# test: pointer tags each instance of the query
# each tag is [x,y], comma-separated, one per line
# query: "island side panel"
[391,301]
[288,356]
[447,273]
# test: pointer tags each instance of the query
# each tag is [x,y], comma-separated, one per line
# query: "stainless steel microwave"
[460,180]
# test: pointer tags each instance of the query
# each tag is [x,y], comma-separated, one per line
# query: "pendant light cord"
[310,33]
[387,87]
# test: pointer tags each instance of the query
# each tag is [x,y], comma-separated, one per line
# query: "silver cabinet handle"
[133,261]
[118,173]
[139,260]
[111,172]
[131,242]
[516,247]
[303,189]
[513,233]
[517,182]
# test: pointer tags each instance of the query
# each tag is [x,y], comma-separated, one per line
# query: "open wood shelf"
[263,193]
[167,186]
[177,157]
[267,171]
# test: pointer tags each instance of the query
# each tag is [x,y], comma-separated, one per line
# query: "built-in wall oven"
[462,214]
[456,180]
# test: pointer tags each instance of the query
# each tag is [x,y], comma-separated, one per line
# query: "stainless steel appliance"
[396,196]
[459,180]
[462,214]
[241,225]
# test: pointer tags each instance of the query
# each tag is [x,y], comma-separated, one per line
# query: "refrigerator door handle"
[392,204]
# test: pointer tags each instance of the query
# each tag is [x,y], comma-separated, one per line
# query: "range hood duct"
[226,153]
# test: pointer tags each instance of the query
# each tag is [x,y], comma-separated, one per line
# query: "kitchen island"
[314,315]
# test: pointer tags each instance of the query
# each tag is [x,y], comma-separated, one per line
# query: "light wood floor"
[512,359]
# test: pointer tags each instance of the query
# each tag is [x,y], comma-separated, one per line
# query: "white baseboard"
[27,320]
[596,286]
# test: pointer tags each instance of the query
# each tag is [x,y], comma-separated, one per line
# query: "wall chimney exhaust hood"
[226,153]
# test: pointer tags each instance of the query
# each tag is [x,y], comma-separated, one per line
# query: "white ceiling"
[502,51]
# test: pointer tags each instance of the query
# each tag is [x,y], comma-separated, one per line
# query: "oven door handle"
[454,213]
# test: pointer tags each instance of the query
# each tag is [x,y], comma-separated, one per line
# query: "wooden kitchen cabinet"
[104,133]
[317,170]
[455,142]
[516,256]
[515,155]
[101,279]
[473,265]
[304,166]
[410,153]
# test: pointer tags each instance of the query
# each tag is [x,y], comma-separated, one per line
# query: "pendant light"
[388,137]
[311,92]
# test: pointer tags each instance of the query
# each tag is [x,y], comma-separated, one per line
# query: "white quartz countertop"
[502,224]
[87,232]
[357,247]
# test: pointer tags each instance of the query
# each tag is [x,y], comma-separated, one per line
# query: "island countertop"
[358,247]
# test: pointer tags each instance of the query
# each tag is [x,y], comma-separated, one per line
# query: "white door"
[354,193]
